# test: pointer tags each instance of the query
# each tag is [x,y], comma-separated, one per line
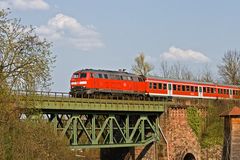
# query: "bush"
[26,139]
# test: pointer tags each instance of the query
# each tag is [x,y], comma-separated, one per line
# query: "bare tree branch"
[175,71]
[229,69]
[142,67]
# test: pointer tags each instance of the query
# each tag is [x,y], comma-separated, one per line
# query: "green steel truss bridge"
[96,123]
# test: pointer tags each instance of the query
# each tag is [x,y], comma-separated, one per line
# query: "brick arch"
[186,154]
[189,156]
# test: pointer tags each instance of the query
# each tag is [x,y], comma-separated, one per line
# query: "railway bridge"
[116,125]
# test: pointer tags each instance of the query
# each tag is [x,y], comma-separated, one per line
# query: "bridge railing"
[63,100]
[43,93]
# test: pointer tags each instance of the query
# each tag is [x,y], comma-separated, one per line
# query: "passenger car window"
[150,85]
[192,89]
[164,86]
[204,89]
[159,85]
[154,85]
[179,87]
[183,88]
[174,87]
[196,89]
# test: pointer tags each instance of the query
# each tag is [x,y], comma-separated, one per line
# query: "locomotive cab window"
[83,75]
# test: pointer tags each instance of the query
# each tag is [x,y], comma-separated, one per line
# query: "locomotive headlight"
[83,82]
[73,83]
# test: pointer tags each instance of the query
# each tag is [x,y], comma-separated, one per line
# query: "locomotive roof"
[106,71]
[177,80]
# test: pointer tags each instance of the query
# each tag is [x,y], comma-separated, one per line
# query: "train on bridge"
[107,82]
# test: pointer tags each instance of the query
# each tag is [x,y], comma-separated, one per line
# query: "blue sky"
[110,34]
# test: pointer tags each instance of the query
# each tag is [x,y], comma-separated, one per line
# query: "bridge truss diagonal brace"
[102,130]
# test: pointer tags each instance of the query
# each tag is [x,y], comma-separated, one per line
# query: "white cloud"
[184,55]
[24,4]
[69,31]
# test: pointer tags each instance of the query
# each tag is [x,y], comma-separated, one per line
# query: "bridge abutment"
[182,142]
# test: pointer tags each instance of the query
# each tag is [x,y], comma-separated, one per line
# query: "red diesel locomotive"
[89,81]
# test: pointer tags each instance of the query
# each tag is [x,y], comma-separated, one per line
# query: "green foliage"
[213,134]
[26,139]
[209,128]
[212,130]
[25,59]
[214,127]
[194,120]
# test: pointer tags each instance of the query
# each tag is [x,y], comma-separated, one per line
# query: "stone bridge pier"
[182,142]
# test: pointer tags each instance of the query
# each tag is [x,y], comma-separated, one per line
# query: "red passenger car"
[156,86]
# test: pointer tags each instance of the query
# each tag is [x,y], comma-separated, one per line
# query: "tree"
[175,71]
[142,67]
[229,69]
[206,75]
[25,63]
[25,58]
[165,69]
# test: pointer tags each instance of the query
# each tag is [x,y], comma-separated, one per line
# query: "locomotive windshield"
[81,75]
[76,75]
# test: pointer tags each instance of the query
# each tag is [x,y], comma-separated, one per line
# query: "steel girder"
[105,130]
